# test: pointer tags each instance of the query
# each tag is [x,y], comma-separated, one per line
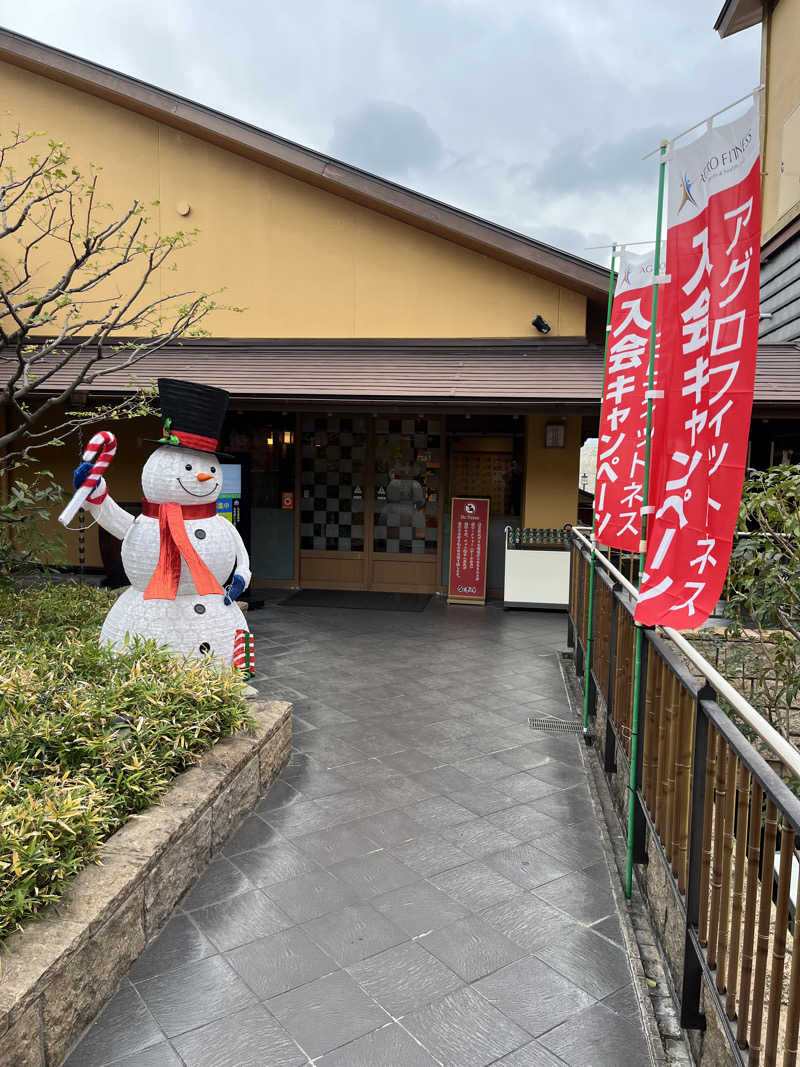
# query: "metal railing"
[723,820]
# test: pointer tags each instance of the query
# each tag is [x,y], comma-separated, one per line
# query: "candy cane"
[100,451]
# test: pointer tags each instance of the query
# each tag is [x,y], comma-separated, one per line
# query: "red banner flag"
[708,321]
[618,494]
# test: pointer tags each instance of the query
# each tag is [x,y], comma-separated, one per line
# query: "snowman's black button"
[205,648]
[200,609]
[199,534]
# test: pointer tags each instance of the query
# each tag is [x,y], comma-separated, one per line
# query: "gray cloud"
[531,113]
[387,138]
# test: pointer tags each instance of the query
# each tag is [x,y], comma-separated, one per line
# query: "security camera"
[541,325]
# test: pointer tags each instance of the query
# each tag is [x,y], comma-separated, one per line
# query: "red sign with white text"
[708,320]
[469,541]
[618,495]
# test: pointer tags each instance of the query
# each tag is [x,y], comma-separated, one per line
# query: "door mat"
[353,598]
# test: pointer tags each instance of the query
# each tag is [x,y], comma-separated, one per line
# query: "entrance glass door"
[406,501]
[333,458]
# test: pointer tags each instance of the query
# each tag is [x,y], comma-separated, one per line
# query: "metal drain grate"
[555,726]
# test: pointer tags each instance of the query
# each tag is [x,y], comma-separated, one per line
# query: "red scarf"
[175,544]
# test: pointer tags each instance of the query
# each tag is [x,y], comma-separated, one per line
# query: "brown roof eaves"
[516,373]
[314,167]
[738,15]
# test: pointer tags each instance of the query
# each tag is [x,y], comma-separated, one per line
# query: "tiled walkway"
[424,884]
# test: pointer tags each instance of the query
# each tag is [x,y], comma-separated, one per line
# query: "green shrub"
[88,737]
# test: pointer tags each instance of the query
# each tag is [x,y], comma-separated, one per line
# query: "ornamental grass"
[88,738]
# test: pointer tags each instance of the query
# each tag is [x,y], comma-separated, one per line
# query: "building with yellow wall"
[384,337]
[780,157]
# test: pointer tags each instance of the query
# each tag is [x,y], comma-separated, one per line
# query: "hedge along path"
[88,737]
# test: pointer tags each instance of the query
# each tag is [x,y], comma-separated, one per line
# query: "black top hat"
[193,415]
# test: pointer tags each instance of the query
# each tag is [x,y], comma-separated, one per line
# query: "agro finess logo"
[626,281]
[687,196]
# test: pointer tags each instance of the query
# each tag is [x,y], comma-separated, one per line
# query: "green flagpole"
[637,662]
[592,567]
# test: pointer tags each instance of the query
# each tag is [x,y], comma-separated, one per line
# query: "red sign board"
[287,501]
[708,318]
[469,541]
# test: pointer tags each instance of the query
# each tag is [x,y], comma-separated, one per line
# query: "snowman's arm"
[111,517]
[242,558]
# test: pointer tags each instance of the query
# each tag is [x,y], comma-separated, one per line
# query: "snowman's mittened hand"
[80,475]
[235,589]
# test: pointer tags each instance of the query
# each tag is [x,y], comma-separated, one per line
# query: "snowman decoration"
[179,551]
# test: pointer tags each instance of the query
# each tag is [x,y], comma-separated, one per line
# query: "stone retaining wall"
[58,972]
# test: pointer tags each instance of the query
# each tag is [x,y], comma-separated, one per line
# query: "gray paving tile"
[523,822]
[486,768]
[253,1038]
[578,895]
[472,948]
[366,773]
[160,1055]
[322,783]
[579,845]
[243,918]
[438,812]
[482,799]
[337,843]
[354,933]
[409,761]
[418,908]
[389,828]
[529,921]
[479,838]
[625,1002]
[610,928]
[462,1030]
[276,964]
[561,775]
[476,885]
[527,865]
[390,1046]
[404,978]
[598,1036]
[377,872]
[568,806]
[588,960]
[189,997]
[533,995]
[524,787]
[532,1055]
[279,794]
[444,780]
[327,1013]
[328,750]
[301,818]
[310,895]
[275,863]
[179,943]
[523,757]
[355,804]
[221,879]
[252,833]
[430,854]
[122,1028]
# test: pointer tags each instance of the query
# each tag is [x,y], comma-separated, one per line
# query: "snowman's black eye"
[188,466]
[213,470]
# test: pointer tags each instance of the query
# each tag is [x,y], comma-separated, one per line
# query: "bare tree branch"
[74,305]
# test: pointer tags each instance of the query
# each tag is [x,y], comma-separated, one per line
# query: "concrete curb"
[57,973]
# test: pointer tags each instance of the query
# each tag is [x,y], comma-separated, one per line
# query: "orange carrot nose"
[204,477]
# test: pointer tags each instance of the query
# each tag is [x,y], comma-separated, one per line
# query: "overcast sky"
[532,113]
